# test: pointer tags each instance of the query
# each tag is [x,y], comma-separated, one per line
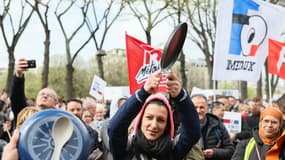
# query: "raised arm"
[189,120]
[118,127]
[17,95]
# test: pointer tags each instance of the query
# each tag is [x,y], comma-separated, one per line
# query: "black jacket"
[241,148]
[216,137]
[17,95]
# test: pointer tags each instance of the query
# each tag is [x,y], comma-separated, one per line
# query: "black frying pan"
[173,46]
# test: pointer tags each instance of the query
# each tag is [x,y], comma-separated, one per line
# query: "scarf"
[160,149]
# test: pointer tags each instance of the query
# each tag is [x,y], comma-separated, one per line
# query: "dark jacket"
[245,133]
[253,121]
[17,95]
[118,127]
[93,138]
[241,148]
[216,137]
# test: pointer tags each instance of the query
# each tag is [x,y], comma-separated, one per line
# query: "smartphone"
[31,63]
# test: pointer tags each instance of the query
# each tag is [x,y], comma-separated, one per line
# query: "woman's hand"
[152,82]
[173,85]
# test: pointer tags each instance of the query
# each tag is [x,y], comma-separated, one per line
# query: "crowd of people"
[153,125]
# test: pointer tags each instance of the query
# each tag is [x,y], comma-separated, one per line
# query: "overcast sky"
[31,46]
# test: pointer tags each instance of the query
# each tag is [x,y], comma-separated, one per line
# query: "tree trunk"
[182,70]
[100,66]
[259,87]
[243,90]
[45,70]
[148,37]
[69,81]
[210,73]
[11,66]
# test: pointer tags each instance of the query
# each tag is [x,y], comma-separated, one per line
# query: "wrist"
[19,74]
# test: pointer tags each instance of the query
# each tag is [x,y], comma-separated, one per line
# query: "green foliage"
[117,74]
[115,69]
[57,79]
[82,82]
[32,82]
[251,93]
[3,77]
[227,85]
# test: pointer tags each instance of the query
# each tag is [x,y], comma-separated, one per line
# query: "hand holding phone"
[31,64]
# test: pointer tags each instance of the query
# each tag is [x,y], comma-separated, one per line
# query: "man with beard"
[74,106]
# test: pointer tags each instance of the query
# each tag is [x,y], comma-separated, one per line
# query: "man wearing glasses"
[46,98]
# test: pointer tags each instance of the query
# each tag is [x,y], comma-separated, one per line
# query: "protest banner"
[97,87]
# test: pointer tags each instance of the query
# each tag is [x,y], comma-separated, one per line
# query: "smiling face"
[270,126]
[154,121]
[201,106]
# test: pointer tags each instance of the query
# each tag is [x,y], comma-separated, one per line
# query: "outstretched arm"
[17,95]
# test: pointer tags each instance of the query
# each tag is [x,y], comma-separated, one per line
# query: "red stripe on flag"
[276,58]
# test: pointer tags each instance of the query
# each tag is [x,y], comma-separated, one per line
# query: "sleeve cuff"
[181,96]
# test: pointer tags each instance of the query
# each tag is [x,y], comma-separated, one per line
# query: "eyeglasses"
[268,121]
[48,95]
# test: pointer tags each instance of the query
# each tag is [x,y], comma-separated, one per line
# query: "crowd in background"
[260,138]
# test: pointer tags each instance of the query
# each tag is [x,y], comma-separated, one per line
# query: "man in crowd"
[74,106]
[215,140]
[218,109]
[46,98]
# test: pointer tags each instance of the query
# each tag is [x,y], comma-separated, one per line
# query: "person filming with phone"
[46,98]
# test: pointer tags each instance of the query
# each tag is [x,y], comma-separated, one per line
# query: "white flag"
[243,30]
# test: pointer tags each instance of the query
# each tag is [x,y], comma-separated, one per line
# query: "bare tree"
[12,28]
[62,9]
[150,15]
[43,16]
[202,17]
[109,16]
[177,7]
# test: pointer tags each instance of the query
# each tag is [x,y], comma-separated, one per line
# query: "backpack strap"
[249,148]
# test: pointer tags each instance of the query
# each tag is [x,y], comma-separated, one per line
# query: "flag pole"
[270,90]
[214,89]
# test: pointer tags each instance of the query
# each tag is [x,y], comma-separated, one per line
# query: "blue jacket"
[118,127]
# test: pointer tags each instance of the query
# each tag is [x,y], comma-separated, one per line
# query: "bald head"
[47,98]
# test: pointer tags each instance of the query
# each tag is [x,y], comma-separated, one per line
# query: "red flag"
[276,58]
[143,60]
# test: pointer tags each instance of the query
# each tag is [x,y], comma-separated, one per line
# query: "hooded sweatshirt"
[135,106]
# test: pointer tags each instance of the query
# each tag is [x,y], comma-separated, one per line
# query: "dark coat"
[245,133]
[17,95]
[220,142]
[253,121]
[241,147]
[118,127]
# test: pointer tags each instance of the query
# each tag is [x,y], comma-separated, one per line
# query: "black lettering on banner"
[240,65]
[146,70]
